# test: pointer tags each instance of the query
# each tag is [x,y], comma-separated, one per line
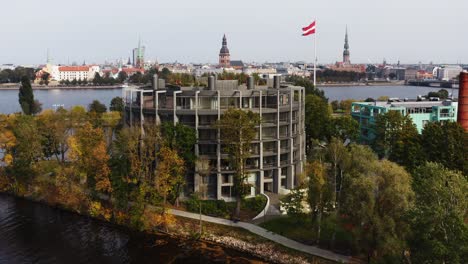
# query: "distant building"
[421,112]
[447,73]
[277,152]
[224,56]
[237,64]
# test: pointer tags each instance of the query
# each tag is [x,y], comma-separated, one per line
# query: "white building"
[77,72]
[447,73]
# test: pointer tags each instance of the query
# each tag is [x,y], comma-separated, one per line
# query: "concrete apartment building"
[277,153]
[421,112]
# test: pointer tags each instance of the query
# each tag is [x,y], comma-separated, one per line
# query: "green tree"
[445,143]
[440,230]
[345,105]
[26,98]
[397,139]
[45,78]
[181,138]
[28,149]
[238,130]
[97,80]
[97,107]
[377,198]
[317,120]
[117,104]
[344,127]
[165,73]
[122,76]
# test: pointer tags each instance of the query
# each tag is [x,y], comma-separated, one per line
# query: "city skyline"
[423,31]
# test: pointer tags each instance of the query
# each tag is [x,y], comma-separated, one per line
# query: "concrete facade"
[278,152]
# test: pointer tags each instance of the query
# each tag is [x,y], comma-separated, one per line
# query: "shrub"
[216,208]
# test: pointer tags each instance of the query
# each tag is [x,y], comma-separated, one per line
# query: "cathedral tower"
[224,57]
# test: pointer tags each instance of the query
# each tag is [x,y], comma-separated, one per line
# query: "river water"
[35,233]
[69,97]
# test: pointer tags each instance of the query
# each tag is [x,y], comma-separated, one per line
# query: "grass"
[303,229]
[299,228]
[218,208]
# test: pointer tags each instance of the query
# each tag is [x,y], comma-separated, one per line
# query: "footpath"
[268,235]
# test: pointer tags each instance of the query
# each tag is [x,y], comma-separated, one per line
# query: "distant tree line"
[328,75]
[14,76]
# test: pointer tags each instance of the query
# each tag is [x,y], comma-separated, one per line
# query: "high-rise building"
[346,59]
[139,56]
[277,152]
[224,56]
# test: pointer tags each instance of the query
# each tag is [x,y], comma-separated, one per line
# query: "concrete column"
[175,106]
[277,179]
[218,149]
[290,176]
[197,178]
[262,173]
[131,108]
[141,113]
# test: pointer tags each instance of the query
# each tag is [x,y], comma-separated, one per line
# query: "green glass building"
[421,112]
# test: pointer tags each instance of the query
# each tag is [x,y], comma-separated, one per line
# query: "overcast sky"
[257,30]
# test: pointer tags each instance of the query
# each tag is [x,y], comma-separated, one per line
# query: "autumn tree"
[55,129]
[319,192]
[238,130]
[439,219]
[169,174]
[88,151]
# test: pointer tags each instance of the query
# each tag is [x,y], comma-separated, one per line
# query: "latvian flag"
[309,30]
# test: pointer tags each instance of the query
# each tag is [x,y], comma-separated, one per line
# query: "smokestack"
[463,101]
[276,82]
[211,83]
[155,88]
[155,82]
[250,83]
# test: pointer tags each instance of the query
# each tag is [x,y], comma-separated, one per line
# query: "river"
[35,233]
[69,97]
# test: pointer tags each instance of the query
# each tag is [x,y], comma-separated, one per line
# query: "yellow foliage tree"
[88,151]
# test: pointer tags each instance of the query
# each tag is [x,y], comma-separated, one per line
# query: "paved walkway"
[268,235]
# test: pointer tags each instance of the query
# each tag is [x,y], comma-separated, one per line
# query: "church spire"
[346,59]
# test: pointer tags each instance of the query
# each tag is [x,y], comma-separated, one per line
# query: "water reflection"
[35,233]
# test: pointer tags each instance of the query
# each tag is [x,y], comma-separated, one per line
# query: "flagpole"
[315,54]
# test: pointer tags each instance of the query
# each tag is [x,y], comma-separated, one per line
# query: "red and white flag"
[309,30]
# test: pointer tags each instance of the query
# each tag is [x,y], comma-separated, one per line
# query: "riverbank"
[352,84]
[185,229]
[58,87]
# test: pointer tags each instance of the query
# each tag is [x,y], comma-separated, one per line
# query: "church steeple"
[224,56]
[346,59]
